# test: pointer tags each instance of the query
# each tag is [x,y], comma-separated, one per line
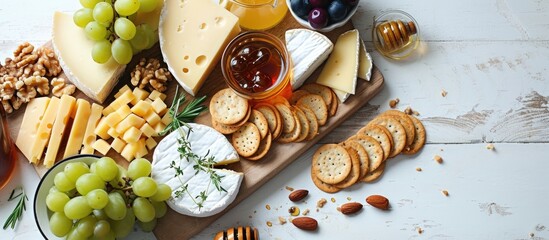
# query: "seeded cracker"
[246,140]
[362,155]
[382,136]
[406,122]
[263,149]
[304,122]
[323,91]
[293,135]
[419,140]
[288,119]
[372,176]
[260,122]
[354,175]
[372,147]
[228,108]
[317,105]
[331,163]
[313,123]
[328,188]
[397,132]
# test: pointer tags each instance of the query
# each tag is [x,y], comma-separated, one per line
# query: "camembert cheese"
[193,34]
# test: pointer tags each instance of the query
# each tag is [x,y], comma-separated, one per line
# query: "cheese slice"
[365,63]
[89,135]
[44,130]
[308,50]
[73,50]
[193,35]
[66,106]
[82,114]
[204,140]
[341,69]
[29,126]
[341,95]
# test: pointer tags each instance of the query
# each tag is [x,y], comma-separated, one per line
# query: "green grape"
[160,209]
[124,28]
[163,192]
[92,167]
[151,34]
[82,17]
[97,198]
[147,5]
[62,182]
[100,214]
[147,226]
[144,187]
[101,53]
[88,182]
[116,208]
[118,181]
[89,3]
[103,12]
[85,226]
[126,7]
[74,170]
[60,225]
[121,51]
[56,201]
[77,208]
[53,189]
[107,168]
[101,228]
[95,31]
[75,235]
[139,167]
[143,209]
[123,227]
[140,41]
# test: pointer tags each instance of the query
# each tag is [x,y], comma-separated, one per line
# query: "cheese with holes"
[308,50]
[29,126]
[64,112]
[89,135]
[341,69]
[73,51]
[44,130]
[82,114]
[193,35]
[204,140]
[365,63]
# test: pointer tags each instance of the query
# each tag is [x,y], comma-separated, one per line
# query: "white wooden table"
[490,56]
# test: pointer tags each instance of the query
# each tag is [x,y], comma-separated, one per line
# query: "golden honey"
[395,34]
[257,14]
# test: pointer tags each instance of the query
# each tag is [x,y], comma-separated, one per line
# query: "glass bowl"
[395,34]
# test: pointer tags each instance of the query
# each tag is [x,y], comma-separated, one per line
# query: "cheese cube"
[121,91]
[122,100]
[66,107]
[147,130]
[124,111]
[101,146]
[156,94]
[158,128]
[148,100]
[129,151]
[113,119]
[139,94]
[132,135]
[151,143]
[89,135]
[102,129]
[142,148]
[141,108]
[152,118]
[118,145]
[44,130]
[159,106]
[129,121]
[113,133]
[83,111]
[167,119]
[29,126]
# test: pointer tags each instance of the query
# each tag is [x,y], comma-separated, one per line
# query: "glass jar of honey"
[257,14]
[7,151]
[395,34]
[257,66]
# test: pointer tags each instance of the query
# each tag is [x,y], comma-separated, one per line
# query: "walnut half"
[148,74]
[61,87]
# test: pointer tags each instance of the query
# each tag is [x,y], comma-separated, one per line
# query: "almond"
[305,223]
[378,201]
[298,195]
[350,207]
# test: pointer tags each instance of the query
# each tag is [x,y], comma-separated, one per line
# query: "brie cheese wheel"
[308,50]
[204,141]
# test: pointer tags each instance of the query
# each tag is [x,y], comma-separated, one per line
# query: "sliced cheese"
[193,35]
[83,111]
[44,130]
[89,135]
[204,140]
[73,50]
[29,126]
[365,63]
[64,112]
[308,50]
[341,95]
[341,69]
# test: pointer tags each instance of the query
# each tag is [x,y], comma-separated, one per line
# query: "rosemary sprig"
[19,208]
[188,114]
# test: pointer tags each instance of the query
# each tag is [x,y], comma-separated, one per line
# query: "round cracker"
[313,123]
[257,118]
[288,119]
[397,132]
[362,155]
[323,91]
[279,99]
[263,149]
[227,107]
[354,175]
[406,122]
[223,128]
[297,95]
[268,112]
[328,188]
[372,147]
[419,140]
[293,135]
[372,176]
[335,104]
[303,122]
[246,140]
[331,163]
[380,135]
[317,105]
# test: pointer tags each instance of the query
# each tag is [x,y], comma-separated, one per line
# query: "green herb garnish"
[19,208]
[188,114]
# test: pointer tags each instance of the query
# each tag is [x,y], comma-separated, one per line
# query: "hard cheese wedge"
[204,141]
[193,35]
[66,106]
[73,50]
[308,50]
[82,114]
[89,135]
[29,126]
[340,71]
[365,63]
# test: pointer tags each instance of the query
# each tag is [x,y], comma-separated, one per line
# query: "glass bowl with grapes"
[92,197]
[322,15]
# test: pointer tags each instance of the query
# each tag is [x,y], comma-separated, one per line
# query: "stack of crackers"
[254,128]
[362,157]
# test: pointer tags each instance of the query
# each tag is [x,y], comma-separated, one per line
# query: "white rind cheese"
[204,140]
[365,63]
[308,50]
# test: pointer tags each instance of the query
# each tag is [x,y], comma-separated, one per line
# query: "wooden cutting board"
[257,173]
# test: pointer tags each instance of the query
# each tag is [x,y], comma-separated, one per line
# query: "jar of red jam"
[257,66]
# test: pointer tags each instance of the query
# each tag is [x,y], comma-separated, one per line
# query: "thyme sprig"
[19,208]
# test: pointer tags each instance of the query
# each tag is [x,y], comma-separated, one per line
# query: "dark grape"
[351,2]
[319,3]
[300,7]
[318,18]
[337,11]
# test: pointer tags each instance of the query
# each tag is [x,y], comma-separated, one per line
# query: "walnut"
[148,74]
[41,84]
[7,106]
[7,87]
[16,103]
[25,94]
[47,64]
[61,87]
[24,55]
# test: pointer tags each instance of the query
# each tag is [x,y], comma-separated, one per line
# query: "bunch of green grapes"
[110,23]
[104,200]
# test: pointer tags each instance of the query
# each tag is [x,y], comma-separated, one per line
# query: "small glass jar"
[257,66]
[257,14]
[395,34]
